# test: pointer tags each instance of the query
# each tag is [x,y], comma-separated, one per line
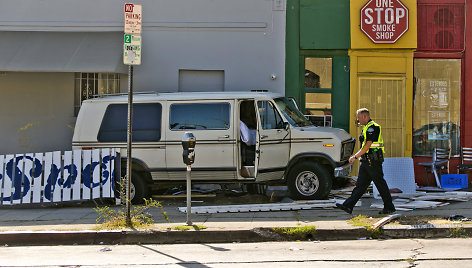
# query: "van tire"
[309,180]
[139,189]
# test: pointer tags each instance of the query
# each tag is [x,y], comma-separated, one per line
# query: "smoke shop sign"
[384,21]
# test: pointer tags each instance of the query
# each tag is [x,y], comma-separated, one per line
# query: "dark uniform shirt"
[372,134]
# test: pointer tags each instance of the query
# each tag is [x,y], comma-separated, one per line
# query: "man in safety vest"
[371,157]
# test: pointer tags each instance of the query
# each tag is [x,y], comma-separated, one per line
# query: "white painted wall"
[243,38]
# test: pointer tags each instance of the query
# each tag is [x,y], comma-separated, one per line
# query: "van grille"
[347,149]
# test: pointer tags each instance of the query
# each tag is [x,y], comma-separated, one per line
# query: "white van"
[287,148]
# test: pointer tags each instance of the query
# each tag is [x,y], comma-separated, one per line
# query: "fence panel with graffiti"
[56,177]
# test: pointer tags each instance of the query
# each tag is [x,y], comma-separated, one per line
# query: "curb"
[220,236]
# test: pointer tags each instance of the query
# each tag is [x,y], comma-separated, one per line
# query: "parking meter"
[188,144]
[188,155]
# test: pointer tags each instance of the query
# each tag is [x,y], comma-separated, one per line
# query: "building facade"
[54,54]
[406,61]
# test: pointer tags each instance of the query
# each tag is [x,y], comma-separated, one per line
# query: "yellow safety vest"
[376,144]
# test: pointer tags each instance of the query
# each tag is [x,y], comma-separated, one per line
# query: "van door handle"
[223,137]
[264,136]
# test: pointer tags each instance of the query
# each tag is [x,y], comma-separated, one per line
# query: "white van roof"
[186,96]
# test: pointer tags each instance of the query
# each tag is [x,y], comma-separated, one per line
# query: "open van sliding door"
[273,143]
[210,123]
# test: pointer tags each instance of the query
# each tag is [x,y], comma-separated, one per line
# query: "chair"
[439,162]
[466,160]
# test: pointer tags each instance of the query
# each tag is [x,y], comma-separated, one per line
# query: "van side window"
[146,123]
[185,116]
[270,118]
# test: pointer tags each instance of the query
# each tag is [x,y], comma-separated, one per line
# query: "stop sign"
[384,21]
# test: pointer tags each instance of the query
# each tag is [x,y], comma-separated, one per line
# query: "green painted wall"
[324,24]
[319,28]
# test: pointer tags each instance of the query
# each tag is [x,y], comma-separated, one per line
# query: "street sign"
[133,18]
[384,21]
[132,49]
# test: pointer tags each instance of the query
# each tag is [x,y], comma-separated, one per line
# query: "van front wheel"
[309,180]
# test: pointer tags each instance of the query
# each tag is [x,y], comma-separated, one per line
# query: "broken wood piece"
[384,220]
[182,196]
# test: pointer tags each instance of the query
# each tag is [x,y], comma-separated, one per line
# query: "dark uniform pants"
[367,174]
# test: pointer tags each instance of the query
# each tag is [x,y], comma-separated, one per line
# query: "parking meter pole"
[189,196]
[188,156]
[129,146]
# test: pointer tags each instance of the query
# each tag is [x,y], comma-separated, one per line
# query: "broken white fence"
[331,203]
[56,177]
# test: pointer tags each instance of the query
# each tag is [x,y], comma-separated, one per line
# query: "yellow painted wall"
[383,64]
[360,41]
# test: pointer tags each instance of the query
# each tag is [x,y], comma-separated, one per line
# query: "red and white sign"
[384,21]
[133,18]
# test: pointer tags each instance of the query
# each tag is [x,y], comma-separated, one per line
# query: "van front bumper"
[343,171]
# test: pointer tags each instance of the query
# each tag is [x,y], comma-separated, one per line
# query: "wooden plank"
[47,181]
[18,178]
[68,176]
[96,173]
[58,176]
[106,173]
[181,196]
[260,207]
[27,178]
[2,176]
[384,221]
[77,184]
[86,174]
[38,178]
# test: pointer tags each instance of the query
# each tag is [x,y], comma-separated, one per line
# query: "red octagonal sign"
[384,21]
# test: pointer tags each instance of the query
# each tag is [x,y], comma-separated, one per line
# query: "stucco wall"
[36,112]
[244,38]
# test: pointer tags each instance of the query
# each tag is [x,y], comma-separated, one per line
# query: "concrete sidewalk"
[76,224]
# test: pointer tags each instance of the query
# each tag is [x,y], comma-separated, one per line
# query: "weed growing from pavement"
[366,222]
[299,233]
[188,227]
[458,232]
[110,218]
[362,220]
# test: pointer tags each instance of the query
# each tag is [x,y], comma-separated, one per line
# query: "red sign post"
[384,21]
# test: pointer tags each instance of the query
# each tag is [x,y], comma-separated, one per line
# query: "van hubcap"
[307,183]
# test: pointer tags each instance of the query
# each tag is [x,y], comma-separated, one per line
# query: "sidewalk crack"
[415,253]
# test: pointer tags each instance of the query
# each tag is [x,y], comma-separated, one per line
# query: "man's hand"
[352,159]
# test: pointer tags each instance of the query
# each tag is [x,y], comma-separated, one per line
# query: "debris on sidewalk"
[384,221]
[331,203]
[457,218]
[419,200]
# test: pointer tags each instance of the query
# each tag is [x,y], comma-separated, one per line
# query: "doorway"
[385,99]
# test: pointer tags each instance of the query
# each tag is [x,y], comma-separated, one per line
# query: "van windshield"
[291,113]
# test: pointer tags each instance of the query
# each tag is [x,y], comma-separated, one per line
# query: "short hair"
[363,111]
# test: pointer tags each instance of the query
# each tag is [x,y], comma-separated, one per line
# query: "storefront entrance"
[385,99]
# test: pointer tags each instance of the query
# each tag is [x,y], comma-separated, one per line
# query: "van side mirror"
[286,125]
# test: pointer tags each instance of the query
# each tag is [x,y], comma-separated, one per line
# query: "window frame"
[136,108]
[193,103]
[437,56]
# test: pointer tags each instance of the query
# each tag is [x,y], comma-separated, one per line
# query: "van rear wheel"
[309,180]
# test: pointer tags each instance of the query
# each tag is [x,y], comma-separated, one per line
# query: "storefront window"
[318,83]
[436,112]
[318,72]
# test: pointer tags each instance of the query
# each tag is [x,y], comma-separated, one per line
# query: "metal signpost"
[131,56]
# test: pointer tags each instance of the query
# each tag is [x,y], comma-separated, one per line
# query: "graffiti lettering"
[21,180]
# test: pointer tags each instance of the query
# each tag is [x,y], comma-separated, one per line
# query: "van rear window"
[146,123]
[185,116]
